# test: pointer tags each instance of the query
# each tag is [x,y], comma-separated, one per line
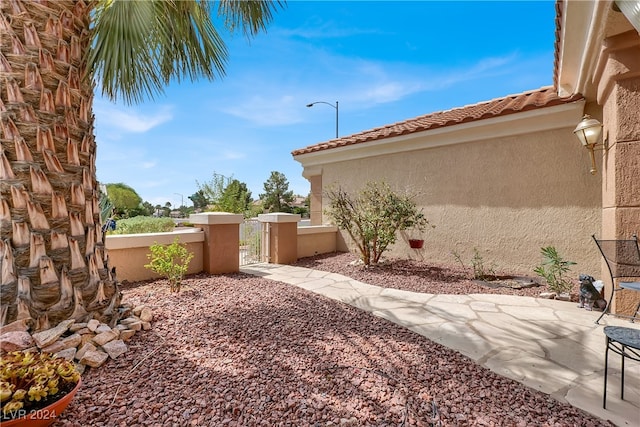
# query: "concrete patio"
[551,346]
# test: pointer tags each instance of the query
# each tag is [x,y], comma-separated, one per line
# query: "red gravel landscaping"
[417,276]
[239,350]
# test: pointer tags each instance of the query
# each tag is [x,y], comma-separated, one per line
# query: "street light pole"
[331,105]
[181,199]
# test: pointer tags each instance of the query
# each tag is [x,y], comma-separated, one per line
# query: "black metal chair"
[623,261]
[625,342]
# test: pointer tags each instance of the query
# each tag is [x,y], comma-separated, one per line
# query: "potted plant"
[416,243]
[35,388]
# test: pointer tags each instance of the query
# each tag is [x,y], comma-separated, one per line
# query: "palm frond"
[139,47]
[252,16]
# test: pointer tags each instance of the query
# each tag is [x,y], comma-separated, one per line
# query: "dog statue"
[589,295]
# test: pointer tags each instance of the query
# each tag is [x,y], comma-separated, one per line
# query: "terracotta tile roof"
[540,98]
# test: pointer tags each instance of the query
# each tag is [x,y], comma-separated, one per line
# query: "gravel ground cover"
[418,276]
[239,350]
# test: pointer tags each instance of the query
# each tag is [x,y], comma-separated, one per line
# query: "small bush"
[480,270]
[553,270]
[171,261]
[372,217]
[143,224]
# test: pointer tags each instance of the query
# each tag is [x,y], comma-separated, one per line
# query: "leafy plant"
[480,270]
[143,224]
[373,216]
[171,261]
[553,270]
[31,381]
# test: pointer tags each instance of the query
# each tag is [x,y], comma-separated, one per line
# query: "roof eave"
[537,120]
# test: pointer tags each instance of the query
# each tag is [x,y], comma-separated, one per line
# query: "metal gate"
[253,238]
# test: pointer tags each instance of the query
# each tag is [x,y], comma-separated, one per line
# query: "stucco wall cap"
[143,240]
[317,229]
[279,217]
[210,218]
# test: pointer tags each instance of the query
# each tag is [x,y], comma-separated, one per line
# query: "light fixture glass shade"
[630,9]
[588,130]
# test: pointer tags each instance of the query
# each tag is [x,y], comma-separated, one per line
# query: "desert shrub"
[143,224]
[481,271]
[170,261]
[373,216]
[553,269]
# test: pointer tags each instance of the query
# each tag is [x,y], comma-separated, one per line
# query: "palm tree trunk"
[53,262]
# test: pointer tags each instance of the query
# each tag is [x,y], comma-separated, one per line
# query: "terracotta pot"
[43,417]
[416,243]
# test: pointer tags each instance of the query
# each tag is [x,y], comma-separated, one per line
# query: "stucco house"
[508,176]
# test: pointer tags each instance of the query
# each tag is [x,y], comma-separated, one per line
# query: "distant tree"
[236,198]
[303,209]
[124,199]
[212,190]
[199,200]
[147,208]
[277,197]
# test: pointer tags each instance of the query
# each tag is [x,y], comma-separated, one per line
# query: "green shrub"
[143,224]
[171,261]
[480,270]
[553,270]
[372,217]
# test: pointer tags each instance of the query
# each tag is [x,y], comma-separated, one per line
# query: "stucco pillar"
[221,252]
[283,237]
[316,200]
[618,77]
[314,175]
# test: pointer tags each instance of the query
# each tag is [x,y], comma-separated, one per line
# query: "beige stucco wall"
[316,240]
[128,253]
[506,196]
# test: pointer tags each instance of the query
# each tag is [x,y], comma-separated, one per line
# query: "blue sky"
[383,61]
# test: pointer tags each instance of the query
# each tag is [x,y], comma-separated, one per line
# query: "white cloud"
[264,110]
[129,119]
[233,155]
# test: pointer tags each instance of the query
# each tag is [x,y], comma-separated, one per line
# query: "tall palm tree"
[53,263]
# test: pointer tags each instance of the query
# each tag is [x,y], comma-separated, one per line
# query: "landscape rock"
[82,350]
[67,353]
[93,325]
[78,326]
[54,348]
[72,341]
[138,309]
[21,325]
[83,342]
[104,337]
[94,358]
[49,336]
[146,315]
[115,348]
[127,334]
[135,326]
[102,328]
[15,341]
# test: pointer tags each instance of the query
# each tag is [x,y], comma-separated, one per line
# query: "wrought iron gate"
[253,238]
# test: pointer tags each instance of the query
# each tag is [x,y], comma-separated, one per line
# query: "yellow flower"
[37,392]
[12,406]
[6,389]
[19,394]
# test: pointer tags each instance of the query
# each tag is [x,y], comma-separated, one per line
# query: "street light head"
[310,105]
